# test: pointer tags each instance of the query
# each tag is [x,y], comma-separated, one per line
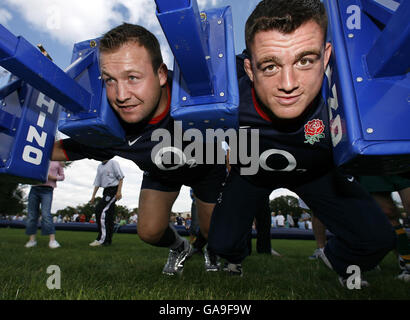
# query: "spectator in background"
[319,231]
[41,196]
[305,218]
[273,220]
[110,178]
[179,220]
[301,224]
[280,220]
[82,218]
[188,222]
[289,220]
[92,219]
[123,221]
[173,218]
[134,219]
[198,241]
[74,218]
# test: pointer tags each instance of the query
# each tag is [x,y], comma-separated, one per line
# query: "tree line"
[13,202]
[286,205]
[89,208]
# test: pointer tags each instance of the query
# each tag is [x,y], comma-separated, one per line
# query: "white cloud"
[68,21]
[73,21]
[204,4]
[5,16]
[282,192]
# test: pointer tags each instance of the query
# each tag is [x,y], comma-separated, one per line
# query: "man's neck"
[289,125]
[163,102]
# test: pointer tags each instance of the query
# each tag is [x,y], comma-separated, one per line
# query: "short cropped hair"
[284,16]
[125,33]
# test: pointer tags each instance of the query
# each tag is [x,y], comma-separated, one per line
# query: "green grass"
[131,269]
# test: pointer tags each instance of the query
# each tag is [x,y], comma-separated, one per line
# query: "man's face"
[133,88]
[287,69]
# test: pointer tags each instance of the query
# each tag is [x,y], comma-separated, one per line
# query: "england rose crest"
[314,131]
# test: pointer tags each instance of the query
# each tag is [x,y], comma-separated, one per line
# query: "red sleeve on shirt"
[65,153]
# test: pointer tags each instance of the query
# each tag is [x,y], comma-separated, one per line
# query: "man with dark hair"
[280,96]
[138,89]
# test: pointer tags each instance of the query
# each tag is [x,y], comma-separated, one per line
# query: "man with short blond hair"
[138,86]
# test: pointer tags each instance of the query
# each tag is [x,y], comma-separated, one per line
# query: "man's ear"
[162,74]
[247,65]
[328,53]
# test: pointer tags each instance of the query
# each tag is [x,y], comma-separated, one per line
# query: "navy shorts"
[362,233]
[206,187]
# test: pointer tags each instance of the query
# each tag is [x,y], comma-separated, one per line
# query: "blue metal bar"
[7,122]
[25,61]
[81,64]
[393,59]
[188,43]
[8,43]
[377,10]
[170,5]
[10,87]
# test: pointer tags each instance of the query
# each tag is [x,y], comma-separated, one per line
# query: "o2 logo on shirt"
[169,156]
[163,158]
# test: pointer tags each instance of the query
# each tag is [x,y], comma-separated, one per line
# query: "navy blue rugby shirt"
[291,152]
[139,146]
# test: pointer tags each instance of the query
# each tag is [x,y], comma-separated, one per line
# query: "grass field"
[131,270]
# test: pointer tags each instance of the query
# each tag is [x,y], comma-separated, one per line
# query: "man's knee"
[150,235]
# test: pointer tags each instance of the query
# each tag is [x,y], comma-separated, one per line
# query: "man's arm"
[60,173]
[118,195]
[58,153]
[70,150]
[94,193]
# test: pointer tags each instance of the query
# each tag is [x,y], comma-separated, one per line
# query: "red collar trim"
[258,108]
[163,114]
[62,148]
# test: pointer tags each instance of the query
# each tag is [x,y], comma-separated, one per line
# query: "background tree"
[286,204]
[12,200]
[89,209]
[69,211]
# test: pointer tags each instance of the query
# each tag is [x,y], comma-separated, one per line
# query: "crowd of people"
[278,220]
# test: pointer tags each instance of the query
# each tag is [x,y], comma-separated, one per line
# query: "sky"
[58,25]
